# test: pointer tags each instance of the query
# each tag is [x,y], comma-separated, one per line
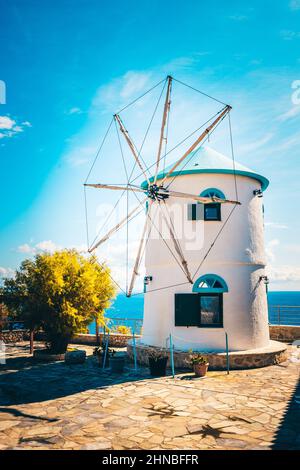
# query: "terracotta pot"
[200,369]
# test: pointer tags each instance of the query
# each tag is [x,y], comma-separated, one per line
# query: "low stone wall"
[284,333]
[13,336]
[115,340]
[273,354]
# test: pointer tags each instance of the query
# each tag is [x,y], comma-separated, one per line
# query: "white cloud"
[252,146]
[10,128]
[25,248]
[289,35]
[47,245]
[276,225]
[6,122]
[270,249]
[6,272]
[295,5]
[285,273]
[293,248]
[74,110]
[291,113]
[81,155]
[120,90]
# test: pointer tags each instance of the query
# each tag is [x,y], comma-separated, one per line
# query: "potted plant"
[99,352]
[199,364]
[157,362]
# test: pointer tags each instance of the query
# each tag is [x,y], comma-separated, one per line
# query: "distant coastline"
[124,307]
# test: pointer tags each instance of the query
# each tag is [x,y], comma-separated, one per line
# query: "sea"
[284,308]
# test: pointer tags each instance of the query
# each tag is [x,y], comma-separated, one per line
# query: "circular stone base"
[44,355]
[249,359]
[75,357]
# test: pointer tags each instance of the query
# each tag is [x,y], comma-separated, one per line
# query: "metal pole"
[227,353]
[105,352]
[172,356]
[134,351]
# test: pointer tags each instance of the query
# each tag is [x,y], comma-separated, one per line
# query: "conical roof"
[207,160]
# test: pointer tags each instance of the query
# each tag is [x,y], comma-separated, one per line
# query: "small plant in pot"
[158,362]
[99,352]
[199,364]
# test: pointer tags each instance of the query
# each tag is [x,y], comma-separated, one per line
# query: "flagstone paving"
[58,406]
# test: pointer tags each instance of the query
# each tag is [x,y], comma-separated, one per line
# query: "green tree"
[60,292]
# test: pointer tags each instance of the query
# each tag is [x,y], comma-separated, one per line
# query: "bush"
[62,293]
[123,330]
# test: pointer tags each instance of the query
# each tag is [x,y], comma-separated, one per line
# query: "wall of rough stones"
[284,333]
[115,340]
[217,361]
[14,336]
[277,333]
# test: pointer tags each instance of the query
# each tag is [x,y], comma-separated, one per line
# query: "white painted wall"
[237,256]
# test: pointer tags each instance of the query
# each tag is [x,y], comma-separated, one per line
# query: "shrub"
[123,330]
[61,292]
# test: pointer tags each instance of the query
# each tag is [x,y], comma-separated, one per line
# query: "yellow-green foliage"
[123,330]
[62,292]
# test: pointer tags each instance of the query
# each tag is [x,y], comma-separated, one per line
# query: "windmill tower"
[204,247]
[226,261]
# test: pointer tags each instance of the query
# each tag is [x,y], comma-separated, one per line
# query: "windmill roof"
[207,160]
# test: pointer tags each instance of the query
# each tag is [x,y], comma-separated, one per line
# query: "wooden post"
[97,331]
[31,341]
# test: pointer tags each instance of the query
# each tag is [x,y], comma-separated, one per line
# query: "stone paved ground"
[54,406]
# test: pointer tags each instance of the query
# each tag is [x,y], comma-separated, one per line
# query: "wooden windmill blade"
[115,187]
[131,145]
[139,256]
[204,200]
[163,125]
[117,227]
[177,248]
[198,141]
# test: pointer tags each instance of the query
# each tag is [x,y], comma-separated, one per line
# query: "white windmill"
[219,285]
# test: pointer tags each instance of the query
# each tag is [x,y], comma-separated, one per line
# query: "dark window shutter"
[187,310]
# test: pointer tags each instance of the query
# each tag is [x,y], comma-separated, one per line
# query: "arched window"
[210,283]
[204,307]
[212,211]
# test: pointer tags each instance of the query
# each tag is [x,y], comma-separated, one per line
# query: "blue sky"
[68,65]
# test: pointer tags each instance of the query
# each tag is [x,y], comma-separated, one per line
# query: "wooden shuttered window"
[187,310]
[201,310]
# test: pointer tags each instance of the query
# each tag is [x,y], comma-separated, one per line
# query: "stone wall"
[284,333]
[115,340]
[274,354]
[14,336]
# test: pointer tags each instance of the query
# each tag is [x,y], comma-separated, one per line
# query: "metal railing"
[284,315]
[12,325]
[134,324]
